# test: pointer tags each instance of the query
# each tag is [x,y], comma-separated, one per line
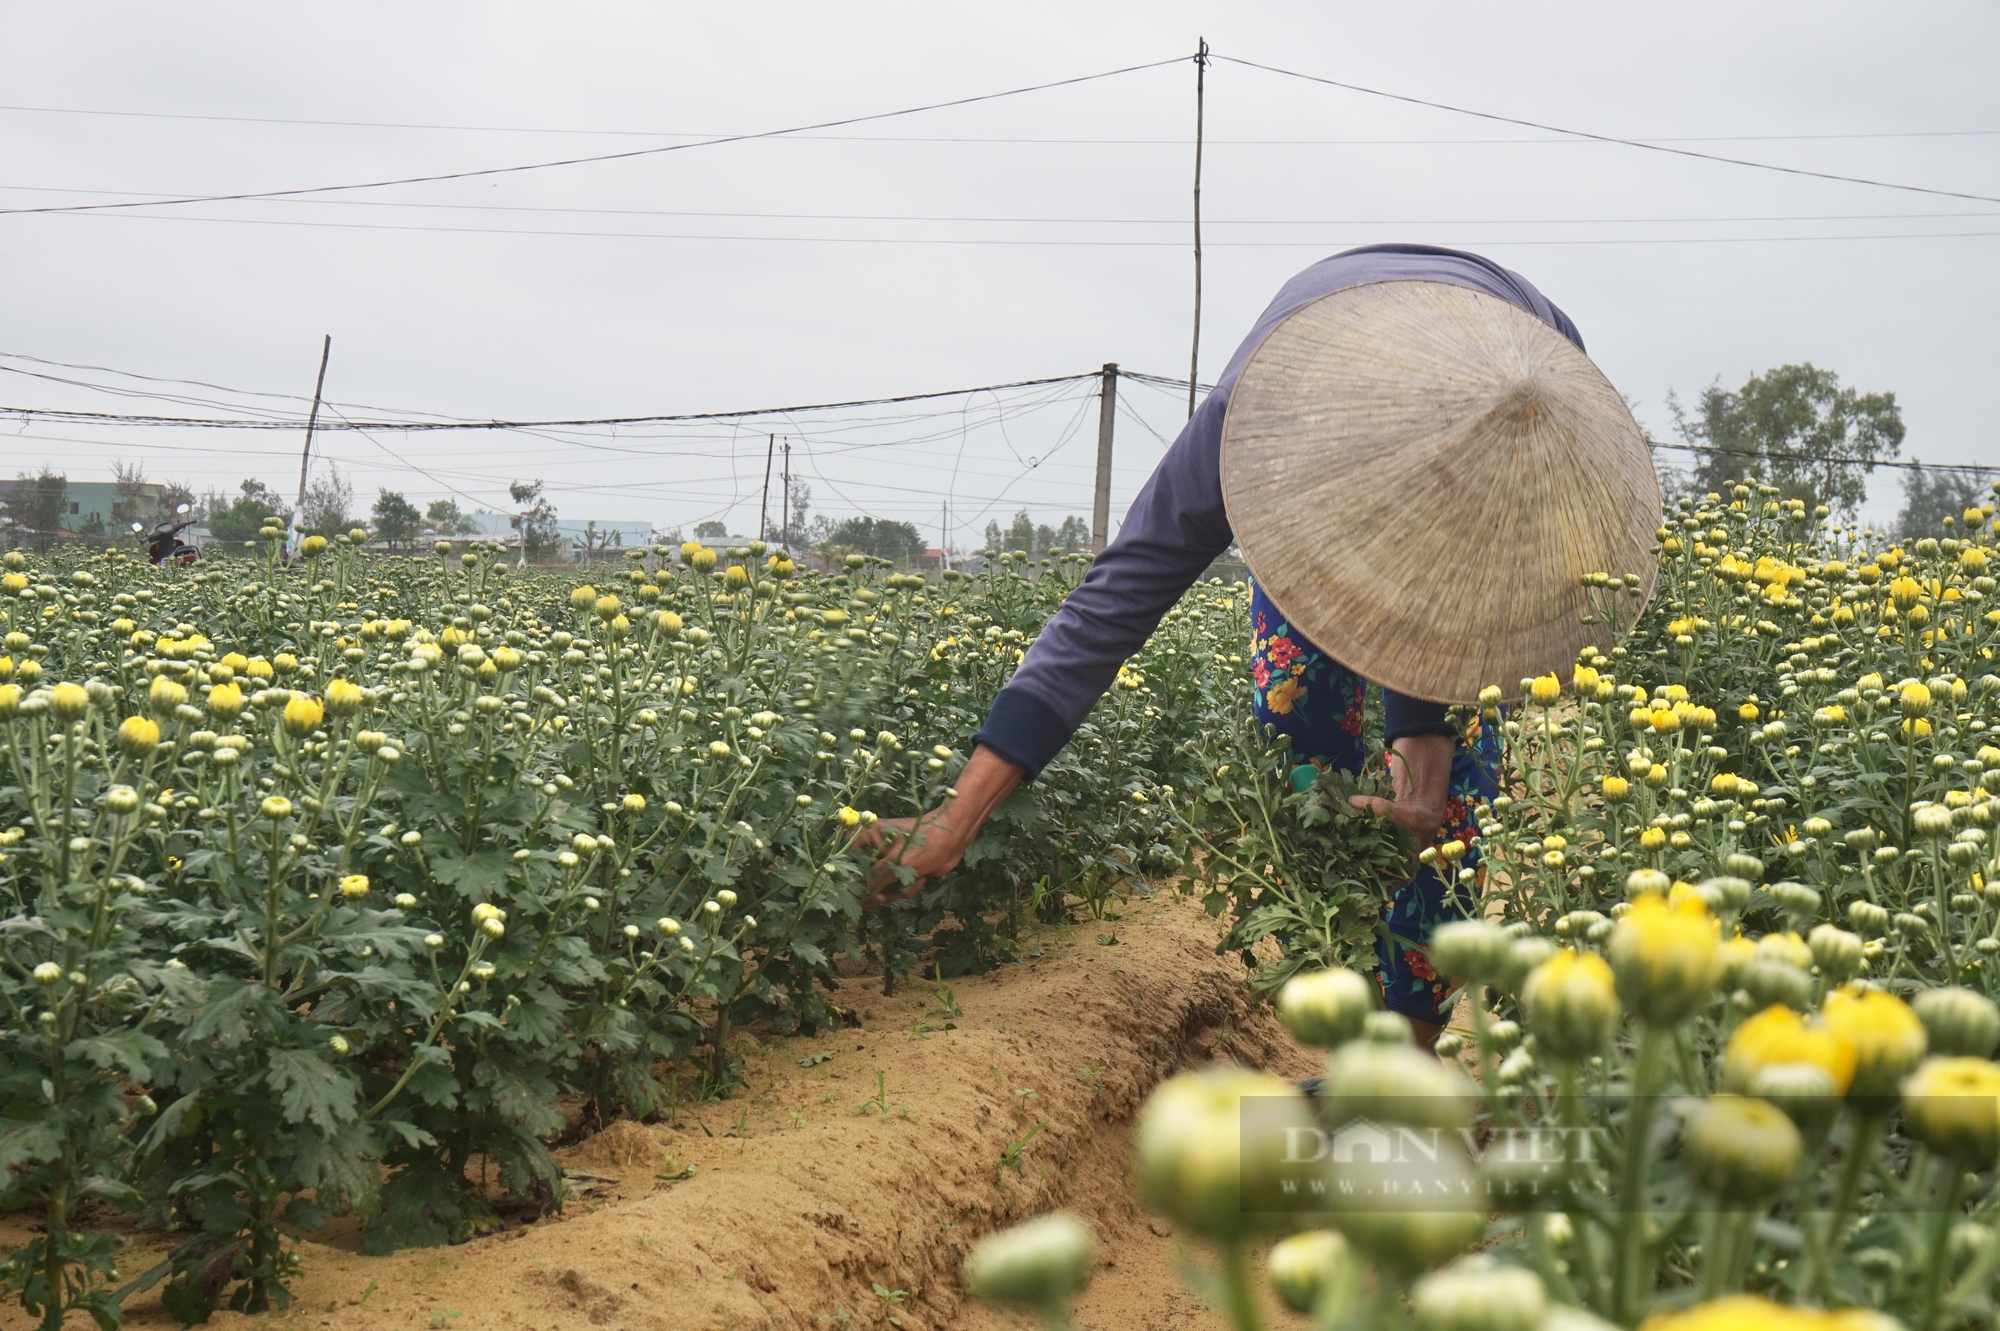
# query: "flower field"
[1732,1012]
[353,886]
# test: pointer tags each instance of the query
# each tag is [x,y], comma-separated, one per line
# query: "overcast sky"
[1025,237]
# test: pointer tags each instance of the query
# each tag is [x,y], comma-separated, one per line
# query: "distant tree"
[896,541]
[711,530]
[536,521]
[238,519]
[133,503]
[329,503]
[1071,533]
[1929,497]
[1794,427]
[596,543]
[446,520]
[397,520]
[1037,539]
[799,528]
[175,493]
[40,506]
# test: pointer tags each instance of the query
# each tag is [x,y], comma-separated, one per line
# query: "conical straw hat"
[1420,476]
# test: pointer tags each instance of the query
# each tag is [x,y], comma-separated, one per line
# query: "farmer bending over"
[1419,464]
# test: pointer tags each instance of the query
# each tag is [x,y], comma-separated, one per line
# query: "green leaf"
[310,1089]
[130,1051]
[29,1143]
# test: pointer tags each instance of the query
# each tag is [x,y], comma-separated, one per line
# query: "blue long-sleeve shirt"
[1177,527]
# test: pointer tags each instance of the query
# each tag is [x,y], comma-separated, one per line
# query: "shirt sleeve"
[1174,530]
[1404,716]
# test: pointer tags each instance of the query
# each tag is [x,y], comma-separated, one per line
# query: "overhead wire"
[223,423]
[1650,146]
[870,138]
[1048,221]
[1005,242]
[517,168]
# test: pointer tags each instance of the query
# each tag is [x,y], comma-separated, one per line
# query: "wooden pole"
[764,504]
[312,420]
[1107,411]
[785,536]
[1200,81]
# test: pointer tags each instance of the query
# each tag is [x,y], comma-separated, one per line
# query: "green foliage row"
[327,888]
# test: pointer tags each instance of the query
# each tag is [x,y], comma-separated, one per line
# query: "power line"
[1608,138]
[1167,382]
[1783,455]
[603,157]
[344,423]
[1049,221]
[1487,242]
[882,138]
[222,423]
[192,383]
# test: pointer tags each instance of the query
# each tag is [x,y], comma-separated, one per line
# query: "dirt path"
[804,1209]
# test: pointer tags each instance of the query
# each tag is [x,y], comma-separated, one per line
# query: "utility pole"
[944,536]
[1200,80]
[785,536]
[305,458]
[764,504]
[1107,410]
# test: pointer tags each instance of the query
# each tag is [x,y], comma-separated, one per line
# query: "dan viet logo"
[1366,1161]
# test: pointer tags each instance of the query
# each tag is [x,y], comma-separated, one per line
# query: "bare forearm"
[983,784]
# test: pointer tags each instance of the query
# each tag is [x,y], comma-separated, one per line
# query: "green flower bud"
[1326,1008]
[1770,981]
[1868,917]
[1479,1295]
[1199,1166]
[1741,865]
[1958,1022]
[1571,1003]
[1952,1105]
[1728,894]
[1666,958]
[1394,1083]
[1314,1270]
[1804,1091]
[1795,899]
[1407,1240]
[1836,952]
[1523,955]
[1470,950]
[1740,1149]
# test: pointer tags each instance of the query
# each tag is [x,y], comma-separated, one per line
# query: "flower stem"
[1868,1129]
[1239,1298]
[1632,1268]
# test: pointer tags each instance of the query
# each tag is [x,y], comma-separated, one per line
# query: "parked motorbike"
[163,543]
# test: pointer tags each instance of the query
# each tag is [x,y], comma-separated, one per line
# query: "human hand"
[1420,775]
[1421,820]
[928,846]
[932,845]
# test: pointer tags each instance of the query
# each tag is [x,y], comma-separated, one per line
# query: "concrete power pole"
[1107,410]
[305,455]
[785,533]
[764,504]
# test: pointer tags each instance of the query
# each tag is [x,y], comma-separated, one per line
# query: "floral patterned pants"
[1316,702]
